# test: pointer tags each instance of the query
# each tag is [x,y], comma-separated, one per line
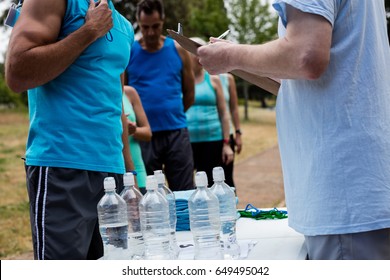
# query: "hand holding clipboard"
[265,83]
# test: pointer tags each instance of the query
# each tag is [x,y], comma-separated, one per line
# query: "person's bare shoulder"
[215,81]
[182,52]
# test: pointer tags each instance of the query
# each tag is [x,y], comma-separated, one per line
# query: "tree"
[211,23]
[252,22]
[190,13]
[9,98]
[175,11]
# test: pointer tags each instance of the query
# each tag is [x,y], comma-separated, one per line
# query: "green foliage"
[190,13]
[208,18]
[252,21]
[7,97]
[175,11]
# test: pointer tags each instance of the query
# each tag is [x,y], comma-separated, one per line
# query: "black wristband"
[238,131]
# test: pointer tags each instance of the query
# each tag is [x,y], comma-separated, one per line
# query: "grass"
[259,134]
[15,233]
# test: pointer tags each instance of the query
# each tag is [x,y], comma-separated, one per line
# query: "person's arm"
[188,79]
[303,53]
[129,164]
[142,131]
[227,152]
[233,106]
[34,55]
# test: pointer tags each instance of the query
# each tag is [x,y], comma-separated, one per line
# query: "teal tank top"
[203,120]
[75,119]
[135,148]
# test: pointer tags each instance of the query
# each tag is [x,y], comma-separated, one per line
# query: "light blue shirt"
[334,132]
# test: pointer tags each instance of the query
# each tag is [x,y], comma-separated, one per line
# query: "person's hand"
[213,57]
[131,127]
[227,154]
[99,18]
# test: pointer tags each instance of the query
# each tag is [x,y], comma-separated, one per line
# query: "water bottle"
[112,215]
[228,214]
[154,212]
[132,196]
[204,220]
[165,191]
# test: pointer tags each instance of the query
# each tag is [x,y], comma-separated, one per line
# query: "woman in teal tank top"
[208,122]
[139,130]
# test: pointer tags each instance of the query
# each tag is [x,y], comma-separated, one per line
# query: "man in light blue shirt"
[333,120]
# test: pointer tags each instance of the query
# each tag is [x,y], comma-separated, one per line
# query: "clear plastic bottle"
[228,214]
[154,212]
[132,196]
[205,221]
[112,215]
[169,195]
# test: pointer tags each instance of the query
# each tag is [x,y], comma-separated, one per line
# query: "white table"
[274,239]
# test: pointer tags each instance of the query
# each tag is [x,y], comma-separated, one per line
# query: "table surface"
[273,239]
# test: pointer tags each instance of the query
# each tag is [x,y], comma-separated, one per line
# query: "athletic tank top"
[203,120]
[135,148]
[75,119]
[157,77]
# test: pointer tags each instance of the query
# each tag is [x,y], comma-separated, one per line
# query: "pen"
[224,34]
[180,29]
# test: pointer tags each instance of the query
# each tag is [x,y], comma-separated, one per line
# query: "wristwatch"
[238,131]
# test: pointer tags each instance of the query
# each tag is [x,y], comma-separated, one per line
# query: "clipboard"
[265,83]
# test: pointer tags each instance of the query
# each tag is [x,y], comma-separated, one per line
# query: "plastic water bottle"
[154,212]
[112,215]
[228,214]
[132,197]
[165,191]
[205,221]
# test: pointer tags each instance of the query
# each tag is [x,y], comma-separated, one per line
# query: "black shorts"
[171,152]
[63,212]
[207,155]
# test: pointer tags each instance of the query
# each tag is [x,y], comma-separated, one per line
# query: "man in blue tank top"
[160,70]
[70,56]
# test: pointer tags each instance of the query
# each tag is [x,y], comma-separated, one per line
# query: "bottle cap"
[109,183]
[201,179]
[128,179]
[151,182]
[160,177]
[218,174]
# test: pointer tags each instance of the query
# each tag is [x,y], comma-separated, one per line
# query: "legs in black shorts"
[171,152]
[63,212]
[207,155]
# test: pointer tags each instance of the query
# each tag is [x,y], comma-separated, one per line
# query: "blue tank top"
[157,77]
[203,120]
[75,119]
